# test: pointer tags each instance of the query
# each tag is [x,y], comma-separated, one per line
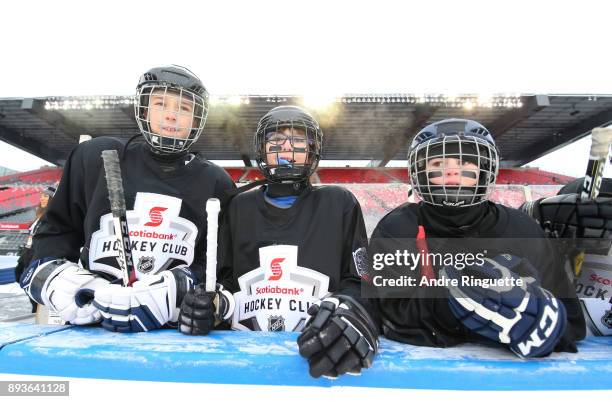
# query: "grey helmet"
[469,143]
[280,124]
[192,100]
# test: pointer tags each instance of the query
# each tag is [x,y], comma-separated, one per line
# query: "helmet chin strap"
[285,189]
[455,197]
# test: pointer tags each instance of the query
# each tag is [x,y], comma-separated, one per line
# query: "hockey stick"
[114,184]
[600,147]
[213,206]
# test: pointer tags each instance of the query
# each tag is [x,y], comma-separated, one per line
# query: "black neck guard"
[286,189]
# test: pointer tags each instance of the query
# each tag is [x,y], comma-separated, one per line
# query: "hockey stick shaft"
[600,149]
[213,207]
[114,184]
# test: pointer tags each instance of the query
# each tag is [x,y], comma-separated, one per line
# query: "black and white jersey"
[425,317]
[277,262]
[165,204]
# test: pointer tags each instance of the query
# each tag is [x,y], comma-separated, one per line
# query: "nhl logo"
[360,258]
[607,319]
[276,323]
[146,264]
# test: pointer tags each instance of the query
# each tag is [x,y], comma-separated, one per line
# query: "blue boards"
[7,275]
[261,358]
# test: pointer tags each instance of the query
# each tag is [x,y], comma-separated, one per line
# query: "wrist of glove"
[338,338]
[150,303]
[526,317]
[201,311]
[65,288]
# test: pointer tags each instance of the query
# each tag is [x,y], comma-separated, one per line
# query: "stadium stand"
[10,241]
[353,175]
[378,190]
[235,173]
[45,175]
[19,196]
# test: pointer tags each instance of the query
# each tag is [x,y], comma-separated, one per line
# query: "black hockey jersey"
[165,210]
[279,261]
[425,317]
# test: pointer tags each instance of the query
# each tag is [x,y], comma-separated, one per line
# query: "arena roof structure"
[376,127]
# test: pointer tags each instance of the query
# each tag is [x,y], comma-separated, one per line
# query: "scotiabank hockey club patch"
[160,238]
[276,295]
[594,288]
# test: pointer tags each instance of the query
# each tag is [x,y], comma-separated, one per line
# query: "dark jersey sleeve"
[61,231]
[355,243]
[224,254]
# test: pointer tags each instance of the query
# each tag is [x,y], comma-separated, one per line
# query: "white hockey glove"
[66,288]
[150,303]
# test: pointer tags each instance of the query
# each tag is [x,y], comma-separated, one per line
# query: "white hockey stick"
[213,207]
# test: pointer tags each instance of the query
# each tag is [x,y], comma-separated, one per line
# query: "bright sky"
[325,47]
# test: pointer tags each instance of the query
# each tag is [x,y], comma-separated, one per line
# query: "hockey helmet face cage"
[171,108]
[453,163]
[288,144]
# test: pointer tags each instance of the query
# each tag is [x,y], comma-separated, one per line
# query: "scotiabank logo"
[155,214]
[600,279]
[277,270]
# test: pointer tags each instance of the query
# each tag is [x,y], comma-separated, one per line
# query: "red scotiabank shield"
[155,214]
[277,270]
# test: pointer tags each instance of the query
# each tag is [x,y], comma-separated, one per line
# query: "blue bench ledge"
[259,358]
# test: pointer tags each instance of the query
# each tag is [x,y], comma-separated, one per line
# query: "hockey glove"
[64,287]
[569,216]
[339,337]
[201,311]
[150,303]
[526,317]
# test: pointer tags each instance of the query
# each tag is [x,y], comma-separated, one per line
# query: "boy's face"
[170,115]
[284,143]
[450,172]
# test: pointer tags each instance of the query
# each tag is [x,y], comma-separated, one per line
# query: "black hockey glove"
[201,311]
[569,216]
[339,337]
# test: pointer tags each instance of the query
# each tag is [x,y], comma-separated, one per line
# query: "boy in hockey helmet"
[75,258]
[171,109]
[292,254]
[453,165]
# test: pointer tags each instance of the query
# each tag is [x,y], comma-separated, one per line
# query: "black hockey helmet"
[282,125]
[159,84]
[466,141]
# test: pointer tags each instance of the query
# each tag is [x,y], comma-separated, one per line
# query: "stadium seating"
[10,241]
[40,176]
[353,175]
[378,190]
